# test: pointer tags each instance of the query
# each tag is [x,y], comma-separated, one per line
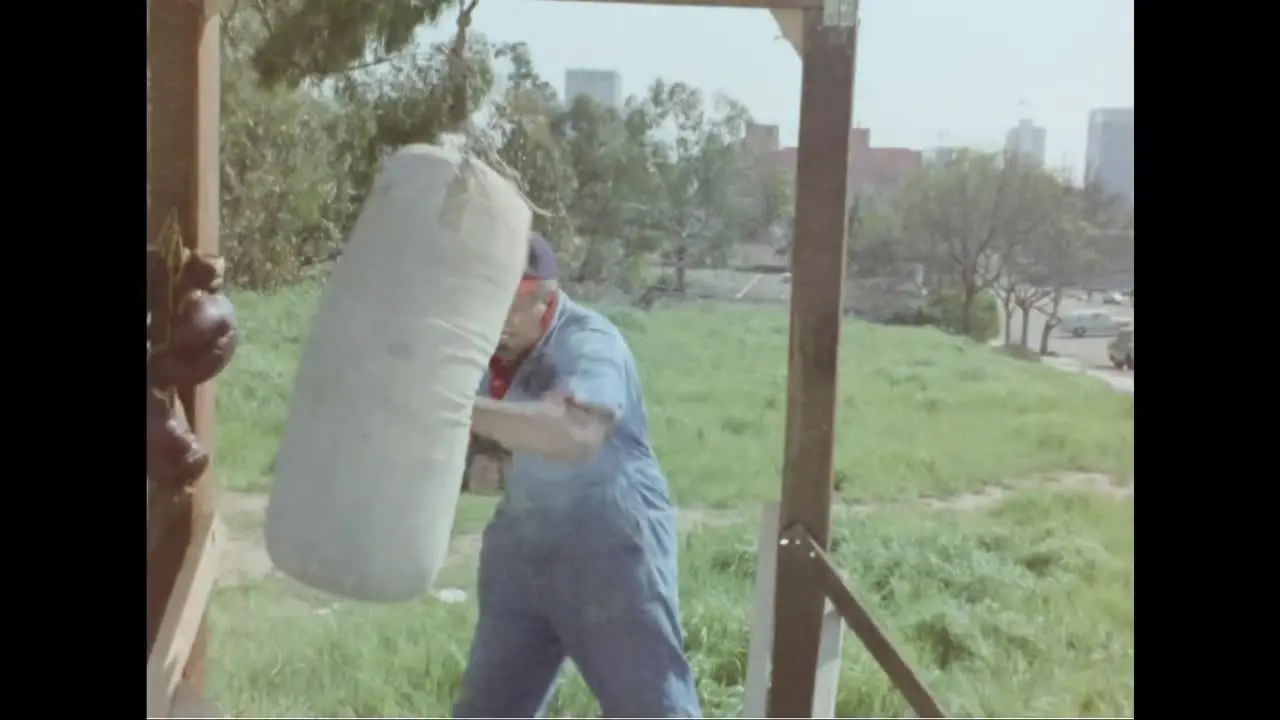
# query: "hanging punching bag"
[370,468]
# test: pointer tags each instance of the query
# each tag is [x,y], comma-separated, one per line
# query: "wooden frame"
[803,583]
[756,4]
[760,652]
[183,56]
[183,61]
[167,694]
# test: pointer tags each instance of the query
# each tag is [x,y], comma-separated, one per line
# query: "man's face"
[523,327]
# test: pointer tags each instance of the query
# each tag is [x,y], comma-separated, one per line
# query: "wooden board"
[183,59]
[818,270]
[756,696]
[791,24]
[744,4]
[182,617]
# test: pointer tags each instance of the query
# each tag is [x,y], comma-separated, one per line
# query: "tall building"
[1108,161]
[603,86]
[1027,141]
[761,139]
[941,155]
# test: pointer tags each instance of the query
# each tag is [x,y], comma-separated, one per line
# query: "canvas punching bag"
[369,471]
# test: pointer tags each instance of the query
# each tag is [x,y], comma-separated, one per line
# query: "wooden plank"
[760,648]
[818,269]
[744,4]
[855,615]
[183,58]
[791,25]
[756,687]
[826,683]
[180,624]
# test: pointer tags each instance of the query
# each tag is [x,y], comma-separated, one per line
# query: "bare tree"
[1032,219]
[956,217]
[1065,251]
[1020,288]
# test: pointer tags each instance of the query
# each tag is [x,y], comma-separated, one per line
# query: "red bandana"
[501,371]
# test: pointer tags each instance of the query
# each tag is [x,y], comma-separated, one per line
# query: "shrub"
[946,311]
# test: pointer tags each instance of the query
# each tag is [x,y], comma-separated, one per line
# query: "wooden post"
[817,289]
[183,57]
[755,699]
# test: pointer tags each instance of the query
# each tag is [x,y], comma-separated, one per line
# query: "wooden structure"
[824,33]
[183,533]
[183,180]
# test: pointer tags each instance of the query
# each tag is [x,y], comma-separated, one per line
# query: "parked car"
[1083,323]
[1112,298]
[1120,350]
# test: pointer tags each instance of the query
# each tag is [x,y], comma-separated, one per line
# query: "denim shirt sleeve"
[595,368]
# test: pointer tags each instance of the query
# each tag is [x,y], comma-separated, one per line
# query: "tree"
[517,140]
[1035,208]
[695,158]
[281,201]
[306,39]
[1065,250]
[613,189]
[298,157]
[876,237]
[319,91]
[955,216]
[768,194]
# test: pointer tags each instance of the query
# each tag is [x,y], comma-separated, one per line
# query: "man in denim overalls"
[579,559]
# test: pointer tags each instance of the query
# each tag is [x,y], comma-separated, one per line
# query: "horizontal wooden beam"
[748,4]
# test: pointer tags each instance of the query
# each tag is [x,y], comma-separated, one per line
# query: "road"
[1084,354]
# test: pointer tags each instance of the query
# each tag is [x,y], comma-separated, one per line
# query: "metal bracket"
[840,13]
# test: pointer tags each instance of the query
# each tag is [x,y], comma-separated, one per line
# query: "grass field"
[1025,608]
[921,413]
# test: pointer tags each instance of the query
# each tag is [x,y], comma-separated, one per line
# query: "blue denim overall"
[579,560]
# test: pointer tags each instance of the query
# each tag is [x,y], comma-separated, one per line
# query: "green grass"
[1022,610]
[920,412]
[1025,609]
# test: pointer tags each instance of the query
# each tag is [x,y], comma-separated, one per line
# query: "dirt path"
[246,559]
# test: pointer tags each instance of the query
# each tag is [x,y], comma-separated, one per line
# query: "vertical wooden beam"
[183,57]
[817,289]
[755,701]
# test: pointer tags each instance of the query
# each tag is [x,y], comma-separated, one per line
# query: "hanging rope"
[458,113]
[458,70]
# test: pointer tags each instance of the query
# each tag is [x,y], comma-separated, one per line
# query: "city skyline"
[1027,140]
[602,85]
[1109,152]
[929,72]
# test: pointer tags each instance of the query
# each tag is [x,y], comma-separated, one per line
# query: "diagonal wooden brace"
[855,615]
[167,695]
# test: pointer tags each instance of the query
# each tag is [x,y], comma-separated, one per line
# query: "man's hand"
[486,469]
[485,475]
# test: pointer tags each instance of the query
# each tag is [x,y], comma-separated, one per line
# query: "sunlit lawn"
[1025,609]
[920,413]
